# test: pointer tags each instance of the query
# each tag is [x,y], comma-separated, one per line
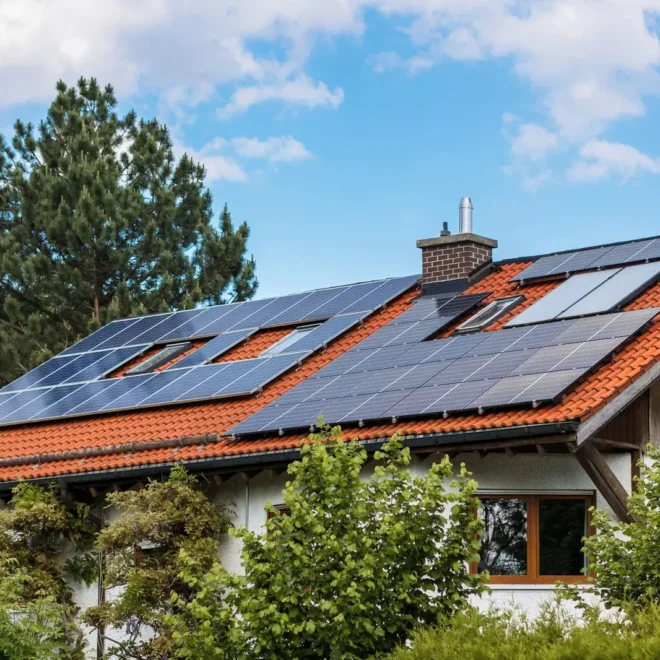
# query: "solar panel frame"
[91,342]
[215,348]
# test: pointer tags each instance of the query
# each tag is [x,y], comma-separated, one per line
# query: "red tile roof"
[144,428]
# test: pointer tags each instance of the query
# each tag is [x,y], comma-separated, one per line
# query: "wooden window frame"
[280,510]
[533,544]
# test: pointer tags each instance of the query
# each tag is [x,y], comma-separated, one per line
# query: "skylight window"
[590,293]
[159,359]
[489,313]
[287,342]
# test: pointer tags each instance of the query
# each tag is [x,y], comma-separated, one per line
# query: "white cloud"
[533,142]
[301,91]
[221,157]
[600,159]
[284,149]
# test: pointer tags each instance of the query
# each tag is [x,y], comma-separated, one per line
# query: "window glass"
[489,313]
[504,546]
[159,359]
[562,526]
[283,344]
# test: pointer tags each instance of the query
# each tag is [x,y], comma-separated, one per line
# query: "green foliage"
[35,531]
[143,550]
[553,635]
[99,220]
[625,557]
[355,566]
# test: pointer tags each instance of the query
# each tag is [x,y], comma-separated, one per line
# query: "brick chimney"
[458,256]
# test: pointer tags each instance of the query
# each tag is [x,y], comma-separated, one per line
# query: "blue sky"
[344,130]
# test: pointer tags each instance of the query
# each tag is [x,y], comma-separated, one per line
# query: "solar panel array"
[602,257]
[72,384]
[386,378]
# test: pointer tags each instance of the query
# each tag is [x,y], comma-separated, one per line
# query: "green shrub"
[553,635]
[351,571]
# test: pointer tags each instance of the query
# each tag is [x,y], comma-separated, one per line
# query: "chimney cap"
[465,203]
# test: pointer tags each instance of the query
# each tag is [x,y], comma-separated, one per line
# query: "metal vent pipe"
[465,210]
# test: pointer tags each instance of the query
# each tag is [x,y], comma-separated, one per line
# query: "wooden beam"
[654,414]
[604,479]
[618,404]
[616,443]
[496,444]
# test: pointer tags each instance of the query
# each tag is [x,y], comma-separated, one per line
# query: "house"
[538,372]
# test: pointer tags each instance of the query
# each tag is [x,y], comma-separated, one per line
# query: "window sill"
[540,586]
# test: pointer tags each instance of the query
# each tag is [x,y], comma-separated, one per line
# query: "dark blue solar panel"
[299,415]
[195,326]
[309,307]
[257,313]
[418,401]
[624,325]
[75,366]
[501,365]
[335,410]
[651,251]
[107,362]
[225,374]
[32,378]
[537,336]
[105,395]
[85,394]
[6,405]
[131,334]
[461,397]
[234,319]
[168,325]
[619,254]
[376,406]
[287,309]
[543,266]
[95,339]
[582,260]
[326,332]
[378,359]
[178,389]
[265,371]
[339,386]
[215,347]
[146,388]
[264,418]
[345,297]
[308,388]
[549,386]
[346,362]
[29,403]
[382,295]
[375,381]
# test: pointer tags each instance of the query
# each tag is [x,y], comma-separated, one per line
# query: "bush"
[351,571]
[553,635]
[625,557]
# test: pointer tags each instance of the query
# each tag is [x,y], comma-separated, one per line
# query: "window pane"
[504,546]
[562,525]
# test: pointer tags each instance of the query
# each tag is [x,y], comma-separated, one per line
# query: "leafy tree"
[142,550]
[625,557]
[35,531]
[351,571]
[99,220]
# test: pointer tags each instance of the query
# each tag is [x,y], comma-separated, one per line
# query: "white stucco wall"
[495,472]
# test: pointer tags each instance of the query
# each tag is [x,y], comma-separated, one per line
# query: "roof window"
[489,313]
[285,343]
[159,359]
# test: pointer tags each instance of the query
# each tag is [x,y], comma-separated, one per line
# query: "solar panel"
[516,366]
[382,294]
[32,378]
[169,324]
[108,361]
[267,370]
[344,297]
[554,303]
[215,347]
[85,393]
[615,290]
[96,338]
[147,387]
[326,332]
[602,257]
[130,335]
[30,402]
[194,327]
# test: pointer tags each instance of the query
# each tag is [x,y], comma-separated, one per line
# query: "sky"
[344,130]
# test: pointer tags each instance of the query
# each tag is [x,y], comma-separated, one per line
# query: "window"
[280,510]
[590,293]
[489,313]
[159,359]
[287,342]
[534,538]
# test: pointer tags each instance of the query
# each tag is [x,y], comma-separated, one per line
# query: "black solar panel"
[602,257]
[467,372]
[69,385]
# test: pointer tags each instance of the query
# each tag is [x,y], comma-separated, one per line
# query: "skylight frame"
[281,347]
[157,360]
[490,313]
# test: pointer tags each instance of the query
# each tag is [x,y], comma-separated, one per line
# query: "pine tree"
[99,220]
